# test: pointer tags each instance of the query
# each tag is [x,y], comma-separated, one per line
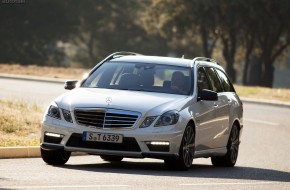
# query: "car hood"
[146,103]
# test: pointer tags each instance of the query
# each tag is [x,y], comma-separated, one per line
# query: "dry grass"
[263,93]
[19,124]
[34,70]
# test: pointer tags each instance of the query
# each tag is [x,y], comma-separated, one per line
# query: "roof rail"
[120,53]
[205,59]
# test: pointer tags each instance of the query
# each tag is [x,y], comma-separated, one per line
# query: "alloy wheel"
[234,145]
[188,146]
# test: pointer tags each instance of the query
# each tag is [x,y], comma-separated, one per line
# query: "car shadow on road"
[196,171]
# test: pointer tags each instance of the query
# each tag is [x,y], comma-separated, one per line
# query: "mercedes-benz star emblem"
[109,100]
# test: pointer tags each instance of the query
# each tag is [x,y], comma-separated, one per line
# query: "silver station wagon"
[137,106]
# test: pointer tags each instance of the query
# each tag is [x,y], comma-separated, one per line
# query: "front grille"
[106,118]
[93,117]
[129,144]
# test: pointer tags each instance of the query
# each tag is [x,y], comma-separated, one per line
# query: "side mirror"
[70,84]
[208,95]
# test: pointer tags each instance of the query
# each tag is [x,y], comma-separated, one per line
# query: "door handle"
[215,105]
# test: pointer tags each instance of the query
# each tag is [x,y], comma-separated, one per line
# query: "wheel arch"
[192,124]
[237,122]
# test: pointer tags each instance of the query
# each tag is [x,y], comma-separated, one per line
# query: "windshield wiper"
[133,89]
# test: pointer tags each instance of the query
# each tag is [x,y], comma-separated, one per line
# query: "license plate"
[102,137]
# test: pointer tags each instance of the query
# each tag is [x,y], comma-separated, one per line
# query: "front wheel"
[55,157]
[229,160]
[186,151]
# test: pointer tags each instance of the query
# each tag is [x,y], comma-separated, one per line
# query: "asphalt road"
[263,163]
[31,92]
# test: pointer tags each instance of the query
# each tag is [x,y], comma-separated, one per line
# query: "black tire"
[186,151]
[229,160]
[111,158]
[55,157]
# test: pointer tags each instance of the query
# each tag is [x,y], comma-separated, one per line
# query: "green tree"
[109,26]
[248,35]
[185,24]
[265,29]
[204,22]
[260,27]
[228,14]
[29,32]
[273,35]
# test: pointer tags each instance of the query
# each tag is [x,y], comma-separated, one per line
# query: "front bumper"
[135,143]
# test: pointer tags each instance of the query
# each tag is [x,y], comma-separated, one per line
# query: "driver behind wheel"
[178,82]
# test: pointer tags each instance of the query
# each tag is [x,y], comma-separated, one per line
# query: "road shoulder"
[20,152]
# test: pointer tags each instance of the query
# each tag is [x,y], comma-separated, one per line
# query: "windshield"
[141,77]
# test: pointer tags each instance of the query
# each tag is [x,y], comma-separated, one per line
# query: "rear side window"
[227,85]
[214,80]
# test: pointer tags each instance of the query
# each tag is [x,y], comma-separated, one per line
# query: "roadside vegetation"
[263,93]
[19,124]
[43,71]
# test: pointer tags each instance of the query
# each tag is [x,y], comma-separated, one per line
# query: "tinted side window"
[228,87]
[213,79]
[202,81]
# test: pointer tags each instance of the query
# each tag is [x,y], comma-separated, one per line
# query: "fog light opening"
[54,135]
[159,143]
[52,138]
[158,146]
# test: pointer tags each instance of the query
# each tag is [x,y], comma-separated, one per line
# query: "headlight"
[53,111]
[148,121]
[67,116]
[168,118]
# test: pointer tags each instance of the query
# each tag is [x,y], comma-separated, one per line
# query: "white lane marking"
[262,122]
[101,186]
[60,186]
[229,183]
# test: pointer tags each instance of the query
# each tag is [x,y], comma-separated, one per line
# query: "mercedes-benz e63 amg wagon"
[137,106]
